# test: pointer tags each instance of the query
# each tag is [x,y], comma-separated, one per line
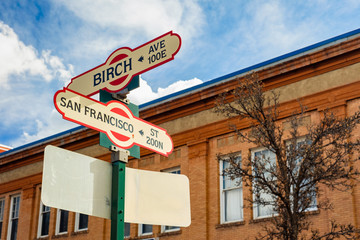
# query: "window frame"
[174,170]
[255,205]
[140,230]
[11,218]
[223,193]
[77,223]
[58,222]
[40,221]
[2,212]
[313,207]
[127,236]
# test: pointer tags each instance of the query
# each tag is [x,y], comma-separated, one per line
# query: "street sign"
[171,206]
[115,119]
[151,197]
[117,71]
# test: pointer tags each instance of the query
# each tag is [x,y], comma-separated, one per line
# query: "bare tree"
[323,156]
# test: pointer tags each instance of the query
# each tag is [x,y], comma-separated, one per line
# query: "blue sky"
[44,43]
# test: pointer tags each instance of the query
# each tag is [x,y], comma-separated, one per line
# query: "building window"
[169,228]
[127,230]
[263,201]
[2,206]
[81,222]
[297,164]
[62,221]
[145,229]
[44,220]
[175,170]
[231,199]
[14,217]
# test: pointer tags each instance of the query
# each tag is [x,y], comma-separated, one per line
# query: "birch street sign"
[124,63]
[114,119]
[151,197]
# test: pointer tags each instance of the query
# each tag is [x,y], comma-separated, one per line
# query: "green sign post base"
[118,159]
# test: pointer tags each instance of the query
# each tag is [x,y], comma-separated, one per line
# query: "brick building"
[324,75]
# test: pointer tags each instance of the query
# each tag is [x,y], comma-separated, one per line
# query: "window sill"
[229,225]
[60,235]
[42,238]
[264,219]
[143,237]
[79,232]
[312,212]
[169,233]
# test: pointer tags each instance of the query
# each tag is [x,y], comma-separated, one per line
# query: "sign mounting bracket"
[121,96]
[119,154]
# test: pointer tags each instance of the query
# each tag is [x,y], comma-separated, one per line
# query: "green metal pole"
[118,194]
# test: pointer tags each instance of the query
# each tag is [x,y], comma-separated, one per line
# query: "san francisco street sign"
[114,119]
[116,73]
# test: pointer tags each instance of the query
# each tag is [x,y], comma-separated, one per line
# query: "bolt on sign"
[116,73]
[115,120]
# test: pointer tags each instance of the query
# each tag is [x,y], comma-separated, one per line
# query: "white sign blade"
[79,183]
[114,119]
[76,182]
[118,70]
[157,198]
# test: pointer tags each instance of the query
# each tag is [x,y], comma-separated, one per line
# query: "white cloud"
[57,68]
[271,28]
[148,17]
[177,86]
[145,94]
[28,81]
[54,124]
[18,59]
[142,94]
[267,29]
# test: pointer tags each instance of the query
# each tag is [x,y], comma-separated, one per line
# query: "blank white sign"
[79,183]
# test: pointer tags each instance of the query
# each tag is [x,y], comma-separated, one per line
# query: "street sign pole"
[115,119]
[119,158]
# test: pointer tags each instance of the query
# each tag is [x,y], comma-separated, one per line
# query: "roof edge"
[267,63]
